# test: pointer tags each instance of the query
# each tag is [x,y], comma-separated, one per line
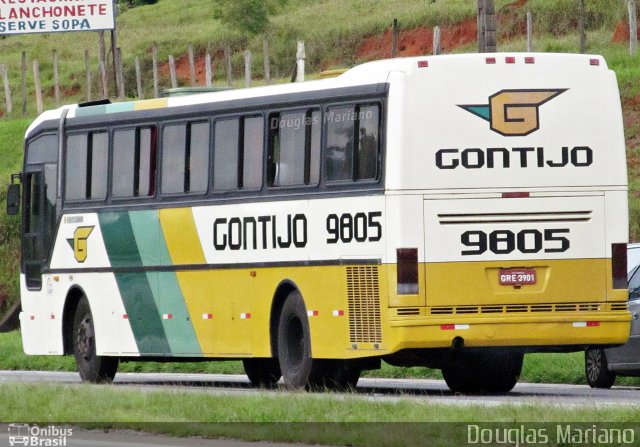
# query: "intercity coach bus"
[454,212]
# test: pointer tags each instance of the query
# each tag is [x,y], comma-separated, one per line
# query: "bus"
[454,212]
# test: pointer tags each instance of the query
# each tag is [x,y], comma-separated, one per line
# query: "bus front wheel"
[294,344]
[92,367]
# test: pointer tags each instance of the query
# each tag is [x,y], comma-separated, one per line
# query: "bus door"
[39,221]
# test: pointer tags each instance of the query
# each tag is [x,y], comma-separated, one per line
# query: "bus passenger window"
[185,158]
[134,161]
[253,142]
[352,143]
[367,147]
[86,166]
[294,148]
[225,162]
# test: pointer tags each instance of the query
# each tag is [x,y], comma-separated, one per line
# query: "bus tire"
[294,344]
[489,372]
[596,369]
[262,372]
[92,367]
[502,372]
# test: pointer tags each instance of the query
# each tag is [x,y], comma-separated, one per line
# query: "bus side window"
[185,158]
[225,161]
[353,143]
[86,166]
[134,162]
[294,148]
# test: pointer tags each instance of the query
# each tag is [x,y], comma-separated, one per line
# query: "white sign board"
[50,16]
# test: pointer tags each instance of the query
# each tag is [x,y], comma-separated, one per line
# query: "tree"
[248,16]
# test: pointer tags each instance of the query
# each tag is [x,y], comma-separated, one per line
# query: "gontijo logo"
[514,112]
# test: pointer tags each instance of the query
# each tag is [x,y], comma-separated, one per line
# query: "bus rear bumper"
[579,330]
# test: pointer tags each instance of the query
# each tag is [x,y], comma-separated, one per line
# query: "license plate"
[517,277]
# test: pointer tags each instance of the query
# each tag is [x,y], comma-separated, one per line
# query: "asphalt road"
[392,389]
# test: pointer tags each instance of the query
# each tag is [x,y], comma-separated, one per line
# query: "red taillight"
[490,60]
[407,271]
[619,266]
[515,195]
[529,60]
[594,62]
[510,60]
[423,64]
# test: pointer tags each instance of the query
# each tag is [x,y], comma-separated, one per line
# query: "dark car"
[602,366]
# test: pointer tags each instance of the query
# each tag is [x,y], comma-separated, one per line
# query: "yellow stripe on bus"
[184,247]
[149,104]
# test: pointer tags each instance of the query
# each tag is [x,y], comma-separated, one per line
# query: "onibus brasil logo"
[514,112]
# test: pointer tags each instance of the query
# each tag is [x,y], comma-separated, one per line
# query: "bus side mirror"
[13,199]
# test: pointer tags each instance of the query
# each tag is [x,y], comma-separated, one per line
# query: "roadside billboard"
[50,16]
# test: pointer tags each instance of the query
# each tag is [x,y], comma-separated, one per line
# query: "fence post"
[208,72]
[581,26]
[394,38]
[7,89]
[119,73]
[486,27]
[87,73]
[23,87]
[437,49]
[300,59]
[56,78]
[172,72]
[227,57]
[154,56]
[104,80]
[248,59]
[139,79]
[633,28]
[529,31]
[192,66]
[38,86]
[265,57]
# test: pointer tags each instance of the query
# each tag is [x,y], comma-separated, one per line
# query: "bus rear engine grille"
[363,291]
[525,308]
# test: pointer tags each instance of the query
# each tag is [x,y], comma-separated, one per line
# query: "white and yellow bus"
[454,212]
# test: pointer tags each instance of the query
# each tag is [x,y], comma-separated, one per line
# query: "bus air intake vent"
[363,292]
[408,311]
[619,306]
[524,308]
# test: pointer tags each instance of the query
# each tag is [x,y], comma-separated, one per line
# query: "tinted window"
[185,158]
[238,148]
[225,164]
[86,166]
[134,162]
[353,143]
[43,149]
[294,148]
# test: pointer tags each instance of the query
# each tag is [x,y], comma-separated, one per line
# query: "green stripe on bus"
[166,292]
[135,289]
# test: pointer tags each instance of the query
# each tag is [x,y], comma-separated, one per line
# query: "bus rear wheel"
[294,345]
[92,367]
[489,372]
[262,372]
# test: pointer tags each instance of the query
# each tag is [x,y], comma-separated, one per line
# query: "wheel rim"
[295,343]
[84,338]
[594,365]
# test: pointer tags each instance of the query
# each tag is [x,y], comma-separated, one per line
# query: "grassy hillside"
[337,33]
